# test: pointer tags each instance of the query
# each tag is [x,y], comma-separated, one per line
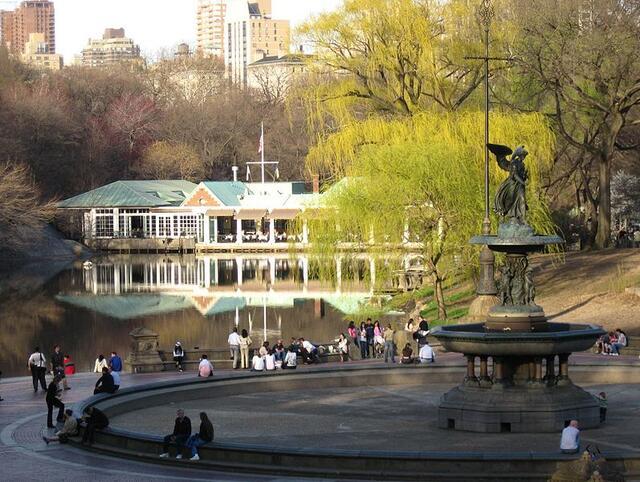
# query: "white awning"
[284,213]
[221,211]
[251,213]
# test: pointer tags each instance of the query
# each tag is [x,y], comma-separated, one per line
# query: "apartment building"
[252,34]
[36,53]
[29,17]
[210,16]
[114,47]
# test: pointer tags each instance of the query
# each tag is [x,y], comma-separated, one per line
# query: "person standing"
[178,355]
[370,338]
[602,401]
[53,400]
[204,436]
[234,347]
[100,363]
[570,439]
[57,366]
[245,343]
[115,362]
[69,366]
[38,365]
[362,341]
[389,347]
[180,435]
[353,333]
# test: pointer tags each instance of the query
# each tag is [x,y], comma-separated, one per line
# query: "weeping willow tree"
[424,173]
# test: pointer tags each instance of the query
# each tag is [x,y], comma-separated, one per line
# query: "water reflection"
[196,300]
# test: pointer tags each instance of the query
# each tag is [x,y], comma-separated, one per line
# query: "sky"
[153,24]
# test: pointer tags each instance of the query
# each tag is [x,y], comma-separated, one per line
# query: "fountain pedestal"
[517,376]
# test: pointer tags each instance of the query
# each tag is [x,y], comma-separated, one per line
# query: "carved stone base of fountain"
[534,408]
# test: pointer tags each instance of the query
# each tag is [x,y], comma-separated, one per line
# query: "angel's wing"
[501,152]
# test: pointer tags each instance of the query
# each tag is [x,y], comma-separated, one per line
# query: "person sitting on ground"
[179,436]
[205,368]
[204,436]
[343,348]
[69,429]
[100,363]
[407,355]
[269,361]
[264,349]
[308,351]
[290,359]
[115,362]
[602,400]
[278,352]
[116,380]
[426,354]
[570,439]
[257,363]
[105,383]
[178,355]
[95,420]
[621,342]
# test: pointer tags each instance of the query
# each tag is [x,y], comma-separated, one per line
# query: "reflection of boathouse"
[177,215]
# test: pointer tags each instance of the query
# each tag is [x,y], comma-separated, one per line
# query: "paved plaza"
[374,417]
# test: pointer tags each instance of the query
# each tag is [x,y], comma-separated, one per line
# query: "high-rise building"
[36,53]
[210,27]
[252,34]
[112,48]
[29,17]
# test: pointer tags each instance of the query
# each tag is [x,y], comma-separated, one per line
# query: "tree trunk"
[439,297]
[603,236]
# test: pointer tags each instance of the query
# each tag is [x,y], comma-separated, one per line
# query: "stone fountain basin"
[517,244]
[556,338]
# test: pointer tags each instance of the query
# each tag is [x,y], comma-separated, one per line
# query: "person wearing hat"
[178,355]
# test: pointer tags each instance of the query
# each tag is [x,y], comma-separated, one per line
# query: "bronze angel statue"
[510,200]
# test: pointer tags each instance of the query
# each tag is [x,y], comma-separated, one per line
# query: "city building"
[29,17]
[112,48]
[274,75]
[250,35]
[210,213]
[37,55]
[210,16]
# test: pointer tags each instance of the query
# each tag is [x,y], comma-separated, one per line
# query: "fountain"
[528,388]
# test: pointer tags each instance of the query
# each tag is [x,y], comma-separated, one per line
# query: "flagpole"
[262,150]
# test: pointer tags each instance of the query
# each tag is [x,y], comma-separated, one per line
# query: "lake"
[91,309]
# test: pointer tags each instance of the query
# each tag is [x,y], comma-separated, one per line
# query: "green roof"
[228,192]
[125,307]
[147,194]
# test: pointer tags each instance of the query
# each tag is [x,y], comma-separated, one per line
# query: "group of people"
[611,343]
[109,381]
[93,419]
[182,438]
[60,366]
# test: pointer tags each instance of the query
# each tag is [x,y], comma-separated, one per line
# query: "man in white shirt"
[257,363]
[234,347]
[309,351]
[427,354]
[570,440]
[205,369]
[38,365]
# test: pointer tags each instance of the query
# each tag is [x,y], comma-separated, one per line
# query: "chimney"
[235,173]
[316,184]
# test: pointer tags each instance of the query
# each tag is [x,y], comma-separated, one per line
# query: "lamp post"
[486,283]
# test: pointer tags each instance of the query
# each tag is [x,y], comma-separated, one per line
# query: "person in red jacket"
[69,366]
